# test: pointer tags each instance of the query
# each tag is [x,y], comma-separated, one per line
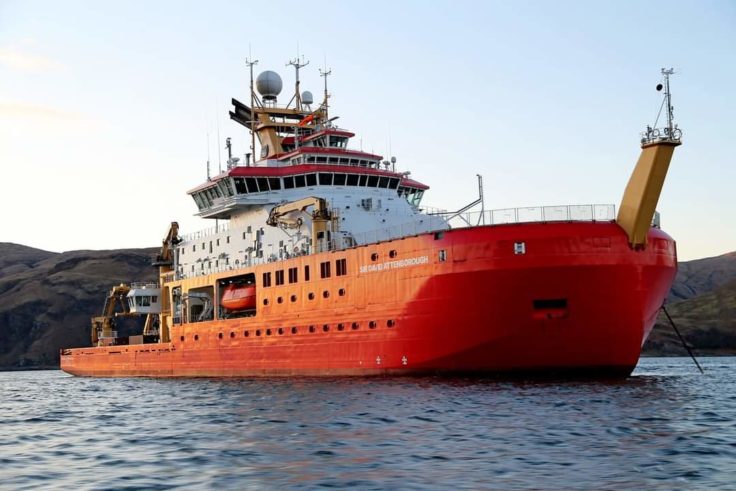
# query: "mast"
[250,64]
[639,202]
[325,73]
[295,63]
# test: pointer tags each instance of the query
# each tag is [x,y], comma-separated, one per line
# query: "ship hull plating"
[543,298]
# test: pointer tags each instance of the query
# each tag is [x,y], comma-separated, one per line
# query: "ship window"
[374,256]
[280,300]
[311,179]
[355,326]
[232,334]
[227,239]
[324,269]
[325,294]
[339,179]
[240,185]
[392,253]
[154,299]
[266,279]
[262,183]
[246,333]
[372,324]
[196,337]
[281,330]
[293,275]
[219,335]
[552,303]
[289,182]
[311,329]
[341,292]
[299,181]
[326,328]
[363,180]
[280,277]
[325,179]
[194,248]
[228,186]
[352,180]
[393,183]
[275,183]
[293,298]
[268,332]
[216,191]
[390,323]
[383,182]
[258,332]
[306,273]
[251,184]
[310,296]
[341,268]
[293,330]
[181,338]
[372,181]
[443,255]
[340,326]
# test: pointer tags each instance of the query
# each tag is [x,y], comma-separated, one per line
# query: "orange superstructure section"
[544,297]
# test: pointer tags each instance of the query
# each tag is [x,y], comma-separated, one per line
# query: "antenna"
[297,65]
[671,131]
[208,156]
[250,62]
[219,158]
[325,73]
[668,97]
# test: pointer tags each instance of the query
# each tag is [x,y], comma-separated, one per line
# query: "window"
[341,268]
[325,179]
[339,179]
[324,269]
[306,273]
[240,185]
[293,275]
[266,279]
[280,277]
[289,182]
[311,179]
[262,183]
[443,255]
[250,183]
[299,181]
[275,183]
[383,182]
[194,248]
[352,180]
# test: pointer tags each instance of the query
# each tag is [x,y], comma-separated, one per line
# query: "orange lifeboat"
[239,297]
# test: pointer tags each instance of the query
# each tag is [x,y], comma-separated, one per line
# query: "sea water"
[666,427]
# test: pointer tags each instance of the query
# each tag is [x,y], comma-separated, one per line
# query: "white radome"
[269,85]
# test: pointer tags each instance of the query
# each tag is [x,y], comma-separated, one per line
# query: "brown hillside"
[47,303]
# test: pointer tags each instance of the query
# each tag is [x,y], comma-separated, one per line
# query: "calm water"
[667,427]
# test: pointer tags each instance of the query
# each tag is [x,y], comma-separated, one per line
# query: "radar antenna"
[250,63]
[297,95]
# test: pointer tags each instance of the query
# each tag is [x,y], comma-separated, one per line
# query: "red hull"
[579,299]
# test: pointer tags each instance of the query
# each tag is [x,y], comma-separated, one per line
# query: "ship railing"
[200,234]
[138,285]
[530,214]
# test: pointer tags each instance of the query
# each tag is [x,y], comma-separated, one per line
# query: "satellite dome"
[269,85]
[307,97]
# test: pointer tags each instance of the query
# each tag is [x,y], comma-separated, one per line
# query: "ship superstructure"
[323,261]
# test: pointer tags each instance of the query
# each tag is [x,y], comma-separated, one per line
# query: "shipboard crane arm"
[321,216]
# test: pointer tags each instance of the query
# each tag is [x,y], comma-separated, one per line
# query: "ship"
[322,261]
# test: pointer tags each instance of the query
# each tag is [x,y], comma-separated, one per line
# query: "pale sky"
[105,107]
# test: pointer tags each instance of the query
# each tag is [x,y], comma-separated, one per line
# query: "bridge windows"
[266,279]
[339,180]
[293,275]
[341,268]
[324,269]
[279,277]
[306,273]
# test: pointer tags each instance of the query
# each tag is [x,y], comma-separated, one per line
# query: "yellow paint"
[643,190]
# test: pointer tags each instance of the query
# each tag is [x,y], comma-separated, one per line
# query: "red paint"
[473,312]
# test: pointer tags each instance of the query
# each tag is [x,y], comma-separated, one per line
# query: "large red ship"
[324,262]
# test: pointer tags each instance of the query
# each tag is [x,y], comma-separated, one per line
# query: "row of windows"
[354,326]
[341,269]
[246,185]
[310,296]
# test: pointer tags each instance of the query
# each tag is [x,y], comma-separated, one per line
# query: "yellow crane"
[321,217]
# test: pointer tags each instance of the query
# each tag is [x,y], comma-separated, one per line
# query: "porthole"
[392,254]
[281,330]
[265,301]
[258,332]
[219,335]
[280,300]
[355,326]
[268,332]
[294,330]
[310,296]
[374,256]
[325,328]
[340,327]
[325,294]
[196,337]
[311,329]
[390,323]
[181,339]
[293,298]
[341,292]
[372,324]
[246,334]
[232,334]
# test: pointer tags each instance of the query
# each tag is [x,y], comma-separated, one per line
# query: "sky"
[108,110]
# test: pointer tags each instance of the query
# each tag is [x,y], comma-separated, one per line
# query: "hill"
[47,299]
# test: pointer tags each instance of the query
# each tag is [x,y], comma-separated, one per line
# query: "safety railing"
[561,213]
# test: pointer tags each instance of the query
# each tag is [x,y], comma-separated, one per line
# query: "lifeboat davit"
[239,297]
